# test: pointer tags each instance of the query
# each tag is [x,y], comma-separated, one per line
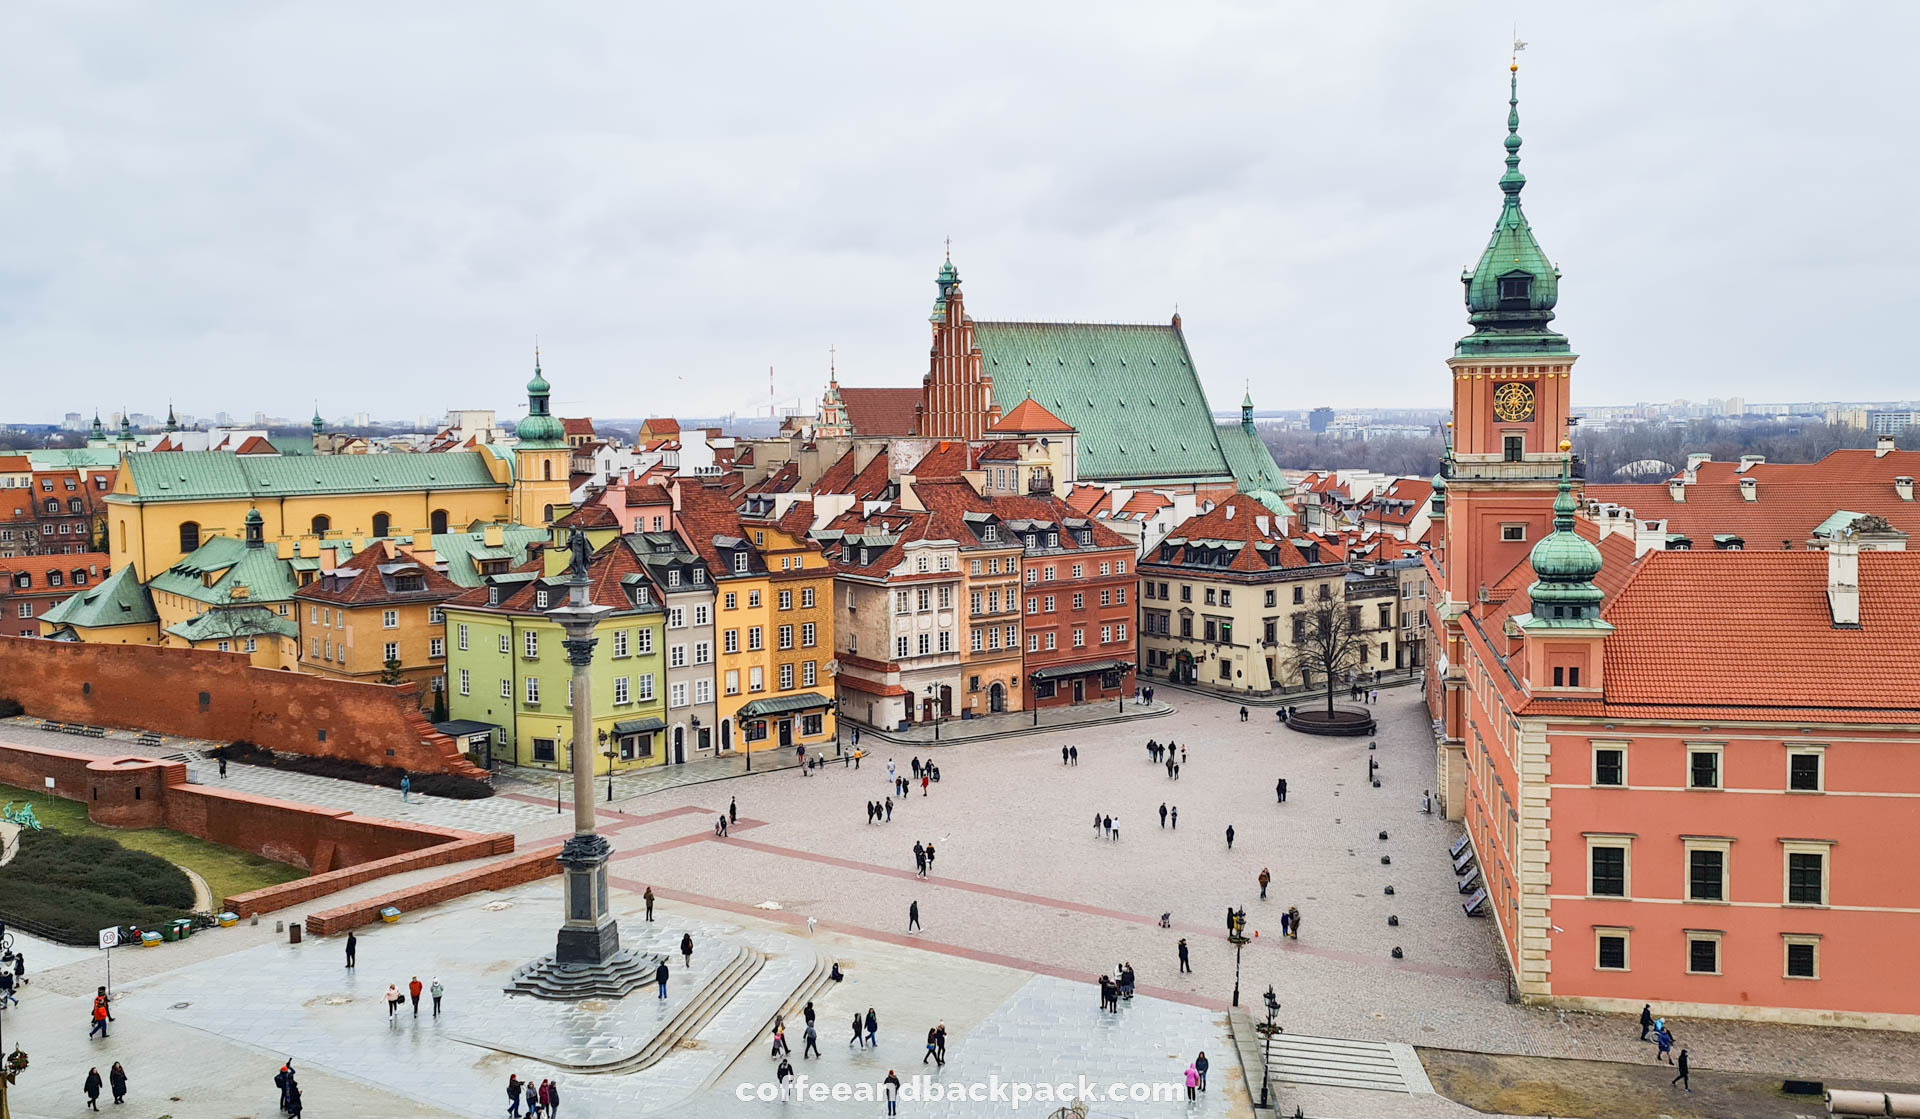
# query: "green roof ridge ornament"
[1564,562]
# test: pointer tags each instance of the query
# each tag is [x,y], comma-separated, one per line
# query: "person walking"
[807,1012]
[813,1043]
[913,915]
[1646,1020]
[1063,755]
[414,988]
[532,1091]
[1278,797]
[353,949]
[295,1105]
[931,1051]
[1665,1041]
[221,757]
[513,1096]
[1286,923]
[1229,837]
[1097,818]
[889,807]
[1243,714]
[283,1080]
[1175,817]
[92,1087]
[1074,753]
[1283,790]
[1680,1078]
[891,779]
[733,811]
[406,788]
[925,780]
[890,1087]
[394,999]
[686,947]
[856,1032]
[1163,813]
[873,1028]
[1184,965]
[99,1020]
[551,1090]
[436,990]
[1293,919]
[1265,877]
[648,898]
[660,977]
[1193,1082]
[117,1080]
[1200,1065]
[940,1041]
[929,858]
[6,989]
[919,859]
[1107,823]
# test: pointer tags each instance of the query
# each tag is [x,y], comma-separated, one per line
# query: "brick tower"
[957,395]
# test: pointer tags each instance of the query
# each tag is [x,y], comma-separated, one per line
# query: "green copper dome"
[1439,502]
[1512,291]
[948,280]
[1564,564]
[1273,501]
[319,425]
[540,429]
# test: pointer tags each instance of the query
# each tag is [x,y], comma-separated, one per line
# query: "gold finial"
[1566,445]
[1449,424]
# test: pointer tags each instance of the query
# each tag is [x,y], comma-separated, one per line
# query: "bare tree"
[1332,643]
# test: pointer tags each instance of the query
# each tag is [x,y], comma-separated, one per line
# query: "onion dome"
[540,428]
[1564,563]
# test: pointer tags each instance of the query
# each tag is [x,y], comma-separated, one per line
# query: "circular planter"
[1349,722]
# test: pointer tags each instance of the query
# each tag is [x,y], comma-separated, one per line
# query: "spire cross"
[949,248]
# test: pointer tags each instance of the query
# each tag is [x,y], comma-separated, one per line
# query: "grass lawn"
[228,870]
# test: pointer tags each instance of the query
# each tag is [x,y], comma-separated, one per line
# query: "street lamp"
[1033,696]
[933,712]
[1237,936]
[1266,1030]
[610,751]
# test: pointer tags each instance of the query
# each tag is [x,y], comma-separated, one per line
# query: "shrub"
[449,785]
[68,887]
[10,707]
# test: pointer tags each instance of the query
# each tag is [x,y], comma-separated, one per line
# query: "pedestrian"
[784,1074]
[1175,817]
[929,857]
[551,1089]
[925,780]
[1193,1081]
[101,998]
[6,989]
[733,811]
[1097,820]
[1074,753]
[1646,1020]
[932,1048]
[1265,878]
[221,757]
[99,1020]
[1176,771]
[295,1105]
[1107,823]
[1106,994]
[873,1028]
[813,1043]
[1243,714]
[353,949]
[1283,790]
[1185,966]
[533,1099]
[1063,755]
[1278,796]
[914,764]
[283,1080]
[436,991]
[1681,1077]
[648,898]
[117,1080]
[889,818]
[890,775]
[855,1039]
[406,788]
[1163,813]
[1115,832]
[913,915]
[1183,757]
[1665,1041]
[780,1046]
[513,1096]
[686,947]
[1373,696]
[807,1012]
[660,977]
[19,968]
[940,1042]
[1200,1066]
[890,1087]
[1229,837]
[414,988]
[92,1086]
[1293,919]
[394,999]
[1286,922]
[919,859]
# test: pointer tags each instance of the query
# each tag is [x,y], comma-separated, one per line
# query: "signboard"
[110,937]
[49,782]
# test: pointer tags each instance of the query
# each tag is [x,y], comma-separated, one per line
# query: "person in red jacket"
[413,989]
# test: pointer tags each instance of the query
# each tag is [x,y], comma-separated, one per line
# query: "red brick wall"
[125,792]
[194,693]
[528,867]
[319,885]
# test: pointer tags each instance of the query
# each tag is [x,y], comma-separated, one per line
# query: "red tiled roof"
[1000,450]
[1859,464]
[1239,518]
[783,480]
[869,484]
[1413,490]
[948,459]
[1730,629]
[1508,595]
[882,411]
[951,499]
[662,425]
[256,446]
[15,464]
[593,514]
[1780,511]
[606,572]
[1029,418]
[95,564]
[357,581]
[1086,497]
[578,426]
[636,495]
[797,520]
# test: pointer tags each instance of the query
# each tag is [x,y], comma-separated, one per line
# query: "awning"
[782,705]
[639,726]
[461,728]
[870,687]
[1057,671]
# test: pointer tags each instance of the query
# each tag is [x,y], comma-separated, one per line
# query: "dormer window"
[1053,540]
[493,596]
[699,577]
[540,599]
[990,533]
[642,596]
[740,562]
[1516,286]
[673,576]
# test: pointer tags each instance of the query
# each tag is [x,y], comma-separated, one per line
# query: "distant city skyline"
[272,206]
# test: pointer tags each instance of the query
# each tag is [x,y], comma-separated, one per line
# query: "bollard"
[1393,921]
[1389,891]
[293,933]
[1383,835]
[1386,860]
[1397,954]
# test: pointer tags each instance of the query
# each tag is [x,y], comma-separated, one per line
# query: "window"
[806,598]
[506,689]
[703,652]
[677,694]
[731,601]
[1106,598]
[1299,595]
[676,656]
[1513,532]
[754,641]
[253,646]
[740,562]
[1079,638]
[436,647]
[1048,605]
[1703,953]
[1033,575]
[1033,642]
[1706,869]
[543,750]
[785,636]
[437,521]
[811,725]
[466,682]
[622,690]
[702,615]
[1079,601]
[925,644]
[902,603]
[643,687]
[1079,570]
[977,642]
[390,619]
[1515,287]
[1703,767]
[643,642]
[1609,765]
[533,691]
[382,524]
[703,690]
[673,576]
[1050,641]
[1120,595]
[786,600]
[540,599]
[1513,448]
[1803,955]
[1610,949]
[531,640]
[924,599]
[1806,872]
[900,647]
[808,634]
[1608,866]
[1805,769]
[1048,573]
[620,643]
[786,677]
[809,673]
[1106,635]
[730,641]
[946,641]
[733,681]
[506,645]
[756,679]
[676,618]
[1120,632]
[435,616]
[189,535]
[945,601]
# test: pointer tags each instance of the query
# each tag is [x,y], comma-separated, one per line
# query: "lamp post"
[933,716]
[1033,696]
[1237,936]
[610,751]
[1266,1030]
[588,936]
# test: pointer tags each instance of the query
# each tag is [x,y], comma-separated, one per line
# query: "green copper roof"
[69,458]
[1512,292]
[946,281]
[235,624]
[1840,519]
[1249,460]
[117,600]
[458,550]
[203,475]
[541,429]
[1130,390]
[231,564]
[1564,564]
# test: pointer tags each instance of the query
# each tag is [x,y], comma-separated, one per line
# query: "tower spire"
[1513,180]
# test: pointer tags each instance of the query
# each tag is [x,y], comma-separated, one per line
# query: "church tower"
[957,395]
[1511,395]
[541,458]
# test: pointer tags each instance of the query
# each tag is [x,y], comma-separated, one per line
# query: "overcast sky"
[251,205]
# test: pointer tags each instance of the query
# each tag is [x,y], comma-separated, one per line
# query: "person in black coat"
[660,977]
[92,1088]
[117,1080]
[686,947]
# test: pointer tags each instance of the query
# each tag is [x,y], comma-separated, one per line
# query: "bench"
[147,738]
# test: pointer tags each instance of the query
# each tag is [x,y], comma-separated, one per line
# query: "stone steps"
[628,971]
[1338,1063]
[757,1017]
[693,1017]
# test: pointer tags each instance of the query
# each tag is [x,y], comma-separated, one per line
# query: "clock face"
[1513,402]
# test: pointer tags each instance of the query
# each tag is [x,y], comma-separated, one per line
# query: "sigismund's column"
[589,936]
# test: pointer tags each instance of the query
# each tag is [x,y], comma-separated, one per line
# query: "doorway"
[1079,691]
[679,745]
[786,732]
[996,699]
[726,735]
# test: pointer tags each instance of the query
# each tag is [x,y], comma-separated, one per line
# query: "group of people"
[936,1046]
[725,823]
[1165,753]
[414,989]
[1104,825]
[880,812]
[1654,1028]
[923,858]
[1196,1076]
[541,1099]
[1069,755]
[116,1078]
[1169,817]
[1112,990]
[289,1090]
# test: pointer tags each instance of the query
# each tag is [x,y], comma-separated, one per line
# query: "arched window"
[189,535]
[548,515]
[437,521]
[546,470]
[381,524]
[321,523]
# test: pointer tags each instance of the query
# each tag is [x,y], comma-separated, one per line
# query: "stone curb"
[956,740]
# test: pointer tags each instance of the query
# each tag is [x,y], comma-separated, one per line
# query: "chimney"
[1749,489]
[1696,458]
[1260,522]
[1883,446]
[1748,462]
[908,498]
[1229,510]
[283,548]
[422,548]
[328,557]
[1677,489]
[1843,580]
[493,536]
[1903,485]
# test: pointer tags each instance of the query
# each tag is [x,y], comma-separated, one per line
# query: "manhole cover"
[181,1005]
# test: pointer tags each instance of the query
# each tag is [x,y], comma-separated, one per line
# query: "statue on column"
[577,544]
